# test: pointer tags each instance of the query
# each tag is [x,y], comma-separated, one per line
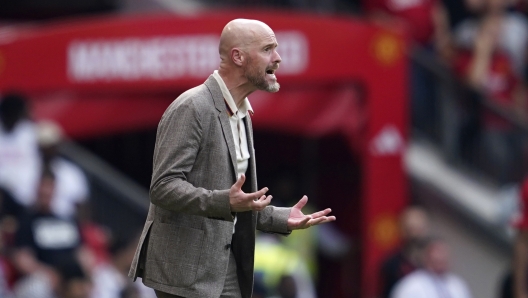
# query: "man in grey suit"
[199,236]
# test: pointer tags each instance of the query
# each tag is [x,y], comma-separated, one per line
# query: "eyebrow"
[271,44]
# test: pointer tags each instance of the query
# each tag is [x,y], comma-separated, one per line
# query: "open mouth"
[270,71]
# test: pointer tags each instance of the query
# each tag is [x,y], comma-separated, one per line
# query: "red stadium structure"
[339,76]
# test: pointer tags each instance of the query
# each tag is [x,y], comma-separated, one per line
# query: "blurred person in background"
[110,278]
[490,59]
[44,242]
[434,279]
[10,214]
[10,209]
[19,156]
[6,273]
[96,238]
[309,244]
[71,185]
[199,236]
[38,284]
[9,221]
[427,22]
[73,281]
[499,29]
[282,271]
[520,248]
[460,10]
[259,287]
[287,287]
[414,228]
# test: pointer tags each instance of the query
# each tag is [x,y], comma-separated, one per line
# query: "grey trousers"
[231,287]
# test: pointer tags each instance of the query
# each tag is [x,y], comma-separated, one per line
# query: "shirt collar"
[230,103]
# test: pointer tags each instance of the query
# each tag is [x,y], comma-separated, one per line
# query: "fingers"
[320,220]
[308,222]
[299,223]
[301,203]
[238,184]
[257,195]
[321,213]
[304,221]
[263,199]
[240,201]
[261,203]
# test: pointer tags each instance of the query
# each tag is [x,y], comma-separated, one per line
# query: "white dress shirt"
[236,116]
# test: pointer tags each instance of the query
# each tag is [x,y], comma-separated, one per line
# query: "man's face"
[262,61]
[414,224]
[437,257]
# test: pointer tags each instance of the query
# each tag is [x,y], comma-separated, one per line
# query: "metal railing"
[116,201]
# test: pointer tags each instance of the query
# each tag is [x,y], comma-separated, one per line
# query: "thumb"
[301,203]
[238,184]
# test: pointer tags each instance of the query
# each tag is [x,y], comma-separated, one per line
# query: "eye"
[269,48]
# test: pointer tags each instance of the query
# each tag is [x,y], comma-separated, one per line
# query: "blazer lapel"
[228,135]
[223,117]
[252,169]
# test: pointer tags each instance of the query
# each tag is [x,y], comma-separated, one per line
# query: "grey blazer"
[185,244]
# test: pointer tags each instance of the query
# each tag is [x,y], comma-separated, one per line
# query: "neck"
[238,85]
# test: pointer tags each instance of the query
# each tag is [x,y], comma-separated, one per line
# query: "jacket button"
[228,246]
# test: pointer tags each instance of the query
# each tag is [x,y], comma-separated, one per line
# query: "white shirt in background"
[19,162]
[71,188]
[108,282]
[424,284]
[513,37]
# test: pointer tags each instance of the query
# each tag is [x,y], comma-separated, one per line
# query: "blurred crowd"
[420,266]
[50,247]
[483,44]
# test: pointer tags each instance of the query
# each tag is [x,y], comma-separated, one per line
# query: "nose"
[276,57]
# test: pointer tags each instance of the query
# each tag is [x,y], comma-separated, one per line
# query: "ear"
[238,56]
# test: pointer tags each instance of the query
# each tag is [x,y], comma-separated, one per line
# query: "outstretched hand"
[298,220]
[241,201]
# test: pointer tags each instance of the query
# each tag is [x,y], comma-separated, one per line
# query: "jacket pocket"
[174,254]
[138,262]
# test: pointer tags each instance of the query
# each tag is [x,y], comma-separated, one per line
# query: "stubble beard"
[255,77]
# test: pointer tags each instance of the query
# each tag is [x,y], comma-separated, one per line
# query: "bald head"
[248,57]
[241,33]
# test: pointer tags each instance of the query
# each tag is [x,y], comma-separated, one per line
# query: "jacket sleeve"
[178,142]
[273,220]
